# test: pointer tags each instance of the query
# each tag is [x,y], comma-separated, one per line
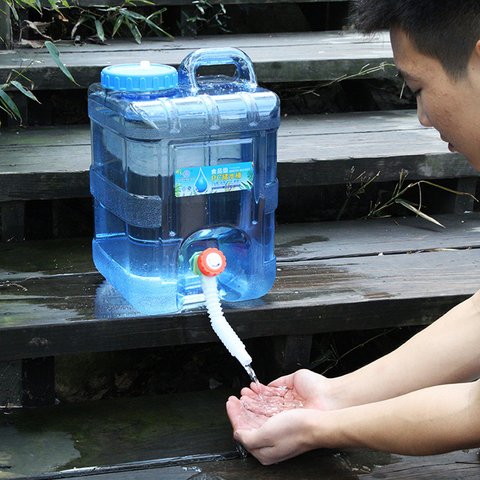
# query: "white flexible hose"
[220,326]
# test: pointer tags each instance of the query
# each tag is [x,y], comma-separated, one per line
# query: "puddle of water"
[298,242]
[109,432]
[28,454]
[294,247]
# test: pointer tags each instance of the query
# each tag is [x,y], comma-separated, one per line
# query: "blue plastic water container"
[184,161]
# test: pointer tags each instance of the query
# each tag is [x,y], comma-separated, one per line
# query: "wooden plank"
[321,465]
[19,261]
[280,57]
[13,221]
[180,436]
[465,203]
[383,143]
[330,240]
[111,432]
[312,150]
[28,383]
[10,384]
[45,314]
[293,242]
[93,3]
[459,465]
[72,315]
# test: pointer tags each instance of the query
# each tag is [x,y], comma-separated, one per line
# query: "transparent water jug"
[183,161]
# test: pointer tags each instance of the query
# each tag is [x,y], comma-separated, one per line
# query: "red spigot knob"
[211,262]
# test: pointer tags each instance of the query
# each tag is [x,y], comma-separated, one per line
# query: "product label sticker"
[219,179]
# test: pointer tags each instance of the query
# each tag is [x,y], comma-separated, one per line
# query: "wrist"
[331,429]
[341,392]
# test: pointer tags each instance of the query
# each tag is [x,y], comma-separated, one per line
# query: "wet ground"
[182,436]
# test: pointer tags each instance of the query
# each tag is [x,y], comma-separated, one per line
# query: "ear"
[475,60]
[477,49]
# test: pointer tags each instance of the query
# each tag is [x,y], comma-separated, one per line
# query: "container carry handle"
[244,75]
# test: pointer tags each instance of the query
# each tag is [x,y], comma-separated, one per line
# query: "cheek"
[438,112]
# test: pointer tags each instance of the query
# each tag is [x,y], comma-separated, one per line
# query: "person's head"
[436,46]
[446,30]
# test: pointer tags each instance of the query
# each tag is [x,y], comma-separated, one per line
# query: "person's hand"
[312,388]
[302,390]
[283,436]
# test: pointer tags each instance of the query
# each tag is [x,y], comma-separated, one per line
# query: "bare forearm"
[425,422]
[445,352]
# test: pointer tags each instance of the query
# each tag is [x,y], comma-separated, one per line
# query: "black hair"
[446,30]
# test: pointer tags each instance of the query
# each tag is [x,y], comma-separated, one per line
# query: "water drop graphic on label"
[201,182]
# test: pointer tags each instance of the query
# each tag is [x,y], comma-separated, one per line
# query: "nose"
[422,116]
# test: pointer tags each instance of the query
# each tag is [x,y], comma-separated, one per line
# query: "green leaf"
[55,54]
[24,90]
[11,108]
[99,29]
[80,21]
[118,24]
[135,32]
[159,31]
[133,15]
[157,13]
[14,11]
[20,74]
[132,3]
[418,212]
[53,4]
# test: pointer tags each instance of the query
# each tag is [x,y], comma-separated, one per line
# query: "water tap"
[208,264]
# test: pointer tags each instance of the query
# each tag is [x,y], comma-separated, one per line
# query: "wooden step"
[180,437]
[331,277]
[110,3]
[277,57]
[53,162]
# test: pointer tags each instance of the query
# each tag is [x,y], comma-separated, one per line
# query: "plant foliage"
[15,78]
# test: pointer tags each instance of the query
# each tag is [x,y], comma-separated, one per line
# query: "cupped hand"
[302,389]
[279,409]
[283,436]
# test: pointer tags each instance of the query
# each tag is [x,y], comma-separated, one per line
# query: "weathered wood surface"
[53,162]
[53,301]
[321,465]
[278,57]
[327,147]
[112,432]
[183,437]
[10,383]
[93,3]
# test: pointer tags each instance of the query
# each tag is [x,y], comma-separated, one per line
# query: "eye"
[415,93]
